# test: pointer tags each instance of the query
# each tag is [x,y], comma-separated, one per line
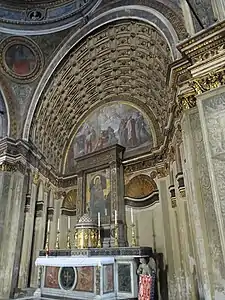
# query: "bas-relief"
[20,60]
[51,277]
[116,123]
[108,278]
[3,118]
[206,192]
[98,193]
[85,279]
[214,111]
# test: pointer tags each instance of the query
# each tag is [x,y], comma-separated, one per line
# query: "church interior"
[112,149]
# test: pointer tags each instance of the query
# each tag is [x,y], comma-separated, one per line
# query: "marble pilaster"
[211,107]
[169,255]
[26,252]
[201,209]
[39,232]
[12,213]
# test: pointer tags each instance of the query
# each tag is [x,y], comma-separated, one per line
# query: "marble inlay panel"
[124,275]
[51,277]
[85,279]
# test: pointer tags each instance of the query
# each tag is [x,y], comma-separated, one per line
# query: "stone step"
[29,292]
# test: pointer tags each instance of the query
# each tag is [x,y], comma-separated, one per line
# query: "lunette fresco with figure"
[115,123]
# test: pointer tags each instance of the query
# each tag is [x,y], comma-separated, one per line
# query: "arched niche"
[117,122]
[3,118]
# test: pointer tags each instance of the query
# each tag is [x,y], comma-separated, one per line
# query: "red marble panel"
[51,277]
[108,279]
[85,279]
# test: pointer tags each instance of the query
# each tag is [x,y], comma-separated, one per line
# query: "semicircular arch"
[91,119]
[145,14]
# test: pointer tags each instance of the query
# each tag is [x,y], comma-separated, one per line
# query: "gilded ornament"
[6,167]
[187,101]
[36,177]
[173,202]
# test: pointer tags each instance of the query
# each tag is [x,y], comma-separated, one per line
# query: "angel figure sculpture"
[146,268]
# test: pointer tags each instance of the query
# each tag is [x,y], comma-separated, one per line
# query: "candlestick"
[58,225]
[116,242]
[99,238]
[48,226]
[99,219]
[132,216]
[115,217]
[68,222]
[47,244]
[57,240]
[133,236]
[68,244]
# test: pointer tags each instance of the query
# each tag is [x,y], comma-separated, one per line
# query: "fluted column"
[28,232]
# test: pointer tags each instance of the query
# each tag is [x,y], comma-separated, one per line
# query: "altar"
[109,273]
[97,262]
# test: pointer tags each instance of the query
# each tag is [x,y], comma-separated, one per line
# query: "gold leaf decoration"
[140,186]
[70,200]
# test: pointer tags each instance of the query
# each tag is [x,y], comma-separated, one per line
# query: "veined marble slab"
[73,261]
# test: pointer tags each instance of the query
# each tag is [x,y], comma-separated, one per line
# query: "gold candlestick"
[68,244]
[99,238]
[133,236]
[57,240]
[116,242]
[47,243]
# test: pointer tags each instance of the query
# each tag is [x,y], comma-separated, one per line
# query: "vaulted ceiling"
[127,60]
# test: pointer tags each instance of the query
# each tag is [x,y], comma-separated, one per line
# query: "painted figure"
[97,199]
[20,59]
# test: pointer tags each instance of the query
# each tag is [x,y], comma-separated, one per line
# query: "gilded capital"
[186,102]
[6,167]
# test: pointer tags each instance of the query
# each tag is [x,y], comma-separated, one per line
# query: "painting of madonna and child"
[115,123]
[98,193]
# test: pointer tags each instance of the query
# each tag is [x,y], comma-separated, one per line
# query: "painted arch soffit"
[126,60]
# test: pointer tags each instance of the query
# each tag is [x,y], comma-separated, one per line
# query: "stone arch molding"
[11,108]
[150,16]
[127,58]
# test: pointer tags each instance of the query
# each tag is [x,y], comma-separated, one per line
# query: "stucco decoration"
[20,59]
[140,186]
[44,14]
[126,61]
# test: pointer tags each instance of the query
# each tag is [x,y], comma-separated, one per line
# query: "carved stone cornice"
[208,82]
[205,44]
[102,158]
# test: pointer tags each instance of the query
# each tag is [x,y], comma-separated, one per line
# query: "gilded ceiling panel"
[125,61]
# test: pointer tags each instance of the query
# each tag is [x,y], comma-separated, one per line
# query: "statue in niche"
[146,268]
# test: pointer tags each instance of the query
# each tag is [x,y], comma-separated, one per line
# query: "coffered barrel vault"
[126,60]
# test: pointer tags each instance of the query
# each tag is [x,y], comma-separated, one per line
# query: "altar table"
[90,274]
